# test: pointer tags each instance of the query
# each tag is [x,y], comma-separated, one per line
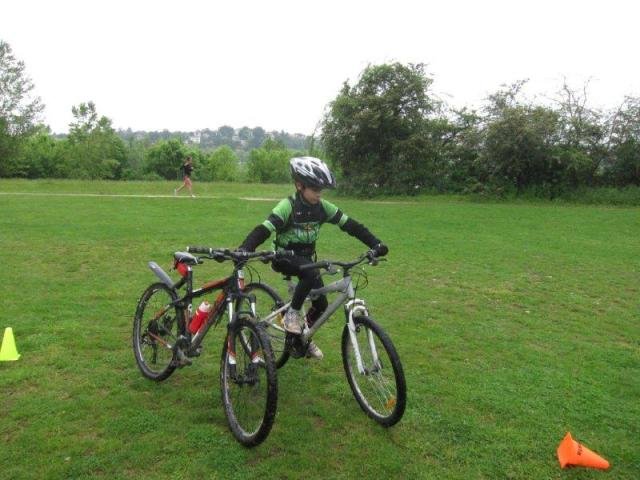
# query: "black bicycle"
[166,336]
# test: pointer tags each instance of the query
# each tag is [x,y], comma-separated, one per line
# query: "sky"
[189,65]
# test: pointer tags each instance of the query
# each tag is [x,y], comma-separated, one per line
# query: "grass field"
[515,323]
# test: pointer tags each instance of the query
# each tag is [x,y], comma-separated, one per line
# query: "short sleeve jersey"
[297,222]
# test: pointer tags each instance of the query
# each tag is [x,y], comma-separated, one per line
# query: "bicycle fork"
[249,376]
[353,308]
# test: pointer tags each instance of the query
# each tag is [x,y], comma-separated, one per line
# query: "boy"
[297,221]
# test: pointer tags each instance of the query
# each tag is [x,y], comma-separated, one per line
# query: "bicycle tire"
[155,323]
[267,301]
[382,397]
[252,375]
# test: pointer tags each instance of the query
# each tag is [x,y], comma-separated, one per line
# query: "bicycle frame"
[352,307]
[230,290]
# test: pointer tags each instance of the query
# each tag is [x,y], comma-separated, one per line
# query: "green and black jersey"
[297,223]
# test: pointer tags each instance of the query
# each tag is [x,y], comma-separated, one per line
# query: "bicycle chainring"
[296,347]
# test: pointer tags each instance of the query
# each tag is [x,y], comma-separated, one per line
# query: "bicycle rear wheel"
[156,326]
[248,381]
[380,388]
[268,301]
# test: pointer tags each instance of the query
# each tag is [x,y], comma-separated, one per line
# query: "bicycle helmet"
[312,172]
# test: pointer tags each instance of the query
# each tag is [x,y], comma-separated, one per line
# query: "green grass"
[515,323]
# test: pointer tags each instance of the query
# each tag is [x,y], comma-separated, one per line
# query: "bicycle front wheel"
[248,381]
[156,327]
[378,383]
[268,301]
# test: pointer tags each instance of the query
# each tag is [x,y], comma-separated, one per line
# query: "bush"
[152,177]
[222,165]
[625,196]
[269,164]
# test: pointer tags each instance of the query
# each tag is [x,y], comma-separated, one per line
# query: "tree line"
[93,150]
[387,133]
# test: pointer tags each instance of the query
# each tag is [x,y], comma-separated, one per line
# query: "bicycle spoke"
[380,390]
[156,329]
[268,301]
[249,398]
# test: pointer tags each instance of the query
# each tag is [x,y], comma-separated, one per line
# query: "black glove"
[380,250]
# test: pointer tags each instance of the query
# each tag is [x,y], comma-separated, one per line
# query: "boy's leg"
[309,281]
[306,281]
[318,306]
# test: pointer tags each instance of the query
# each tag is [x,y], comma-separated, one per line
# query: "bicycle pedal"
[295,346]
[182,360]
[194,353]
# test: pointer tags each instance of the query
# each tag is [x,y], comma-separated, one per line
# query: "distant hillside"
[239,139]
[244,138]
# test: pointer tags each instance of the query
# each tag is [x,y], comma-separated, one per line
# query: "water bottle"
[200,316]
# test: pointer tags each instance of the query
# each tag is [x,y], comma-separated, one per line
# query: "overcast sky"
[189,65]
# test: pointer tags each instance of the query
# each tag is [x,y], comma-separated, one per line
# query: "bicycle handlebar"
[206,250]
[369,256]
[222,254]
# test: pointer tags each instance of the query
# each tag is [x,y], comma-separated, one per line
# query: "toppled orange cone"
[572,453]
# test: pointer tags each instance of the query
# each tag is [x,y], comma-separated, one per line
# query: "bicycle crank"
[296,347]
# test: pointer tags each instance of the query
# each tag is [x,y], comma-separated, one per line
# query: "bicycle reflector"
[182,269]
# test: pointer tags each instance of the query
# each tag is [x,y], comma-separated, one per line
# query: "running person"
[296,220]
[186,168]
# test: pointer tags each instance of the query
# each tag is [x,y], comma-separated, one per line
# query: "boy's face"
[310,195]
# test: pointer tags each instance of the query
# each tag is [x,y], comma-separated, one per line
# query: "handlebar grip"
[309,266]
[195,249]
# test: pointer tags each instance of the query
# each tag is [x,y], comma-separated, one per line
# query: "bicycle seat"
[186,258]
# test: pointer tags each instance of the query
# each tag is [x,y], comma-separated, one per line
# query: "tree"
[41,155]
[223,165]
[19,110]
[384,124]
[257,137]
[225,136]
[244,133]
[165,158]
[95,150]
[519,142]
[582,148]
[269,164]
[135,148]
[623,166]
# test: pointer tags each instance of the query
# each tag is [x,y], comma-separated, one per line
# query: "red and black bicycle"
[166,336]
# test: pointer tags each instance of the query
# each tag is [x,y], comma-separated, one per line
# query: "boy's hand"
[381,250]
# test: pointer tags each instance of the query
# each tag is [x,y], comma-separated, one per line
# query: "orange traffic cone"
[572,453]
